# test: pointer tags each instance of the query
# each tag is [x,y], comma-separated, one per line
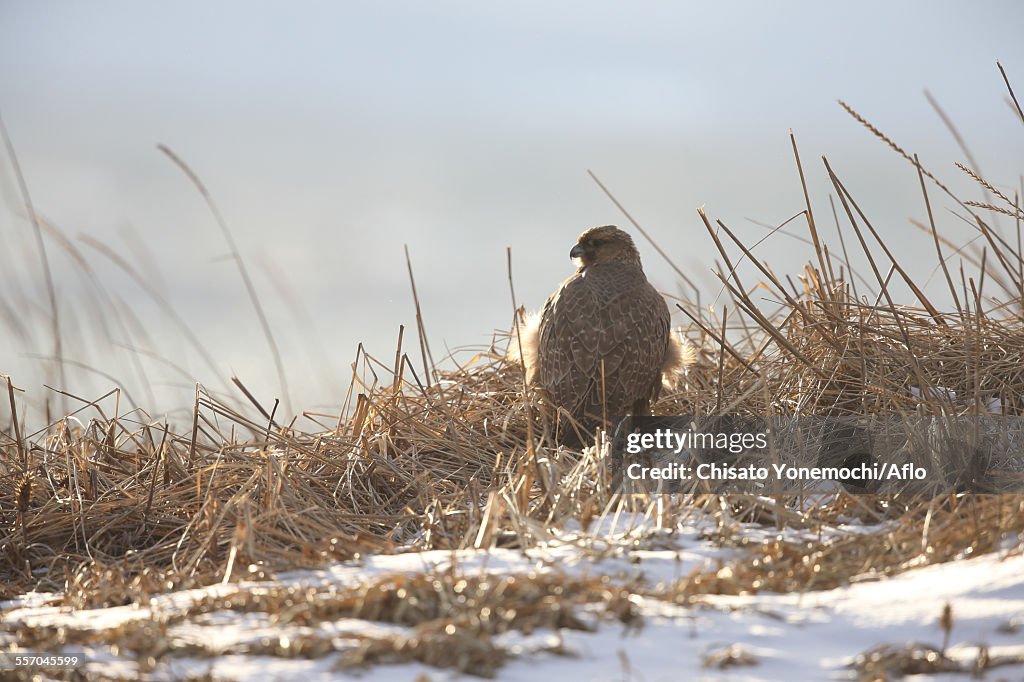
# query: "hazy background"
[330,134]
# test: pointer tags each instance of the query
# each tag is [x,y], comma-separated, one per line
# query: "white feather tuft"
[524,347]
[681,354]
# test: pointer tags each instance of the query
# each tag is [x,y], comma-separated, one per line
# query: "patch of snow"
[808,636]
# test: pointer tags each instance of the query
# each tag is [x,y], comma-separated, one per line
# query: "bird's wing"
[639,321]
[569,342]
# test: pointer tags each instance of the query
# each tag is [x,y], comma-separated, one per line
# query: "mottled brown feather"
[606,312]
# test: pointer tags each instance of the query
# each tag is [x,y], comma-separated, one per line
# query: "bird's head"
[605,244]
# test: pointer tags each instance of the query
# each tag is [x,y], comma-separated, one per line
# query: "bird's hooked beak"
[576,252]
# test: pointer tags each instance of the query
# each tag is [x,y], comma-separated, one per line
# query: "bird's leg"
[642,408]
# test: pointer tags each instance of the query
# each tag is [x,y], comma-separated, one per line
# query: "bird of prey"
[602,345]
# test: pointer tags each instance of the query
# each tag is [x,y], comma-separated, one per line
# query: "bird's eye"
[596,242]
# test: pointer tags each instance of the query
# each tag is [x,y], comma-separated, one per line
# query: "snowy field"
[821,635]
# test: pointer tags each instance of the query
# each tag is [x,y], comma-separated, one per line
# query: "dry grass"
[452,619]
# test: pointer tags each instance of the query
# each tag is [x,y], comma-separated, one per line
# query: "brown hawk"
[602,344]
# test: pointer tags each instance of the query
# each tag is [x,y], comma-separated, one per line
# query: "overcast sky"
[330,134]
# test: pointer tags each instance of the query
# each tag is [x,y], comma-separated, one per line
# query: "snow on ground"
[810,636]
